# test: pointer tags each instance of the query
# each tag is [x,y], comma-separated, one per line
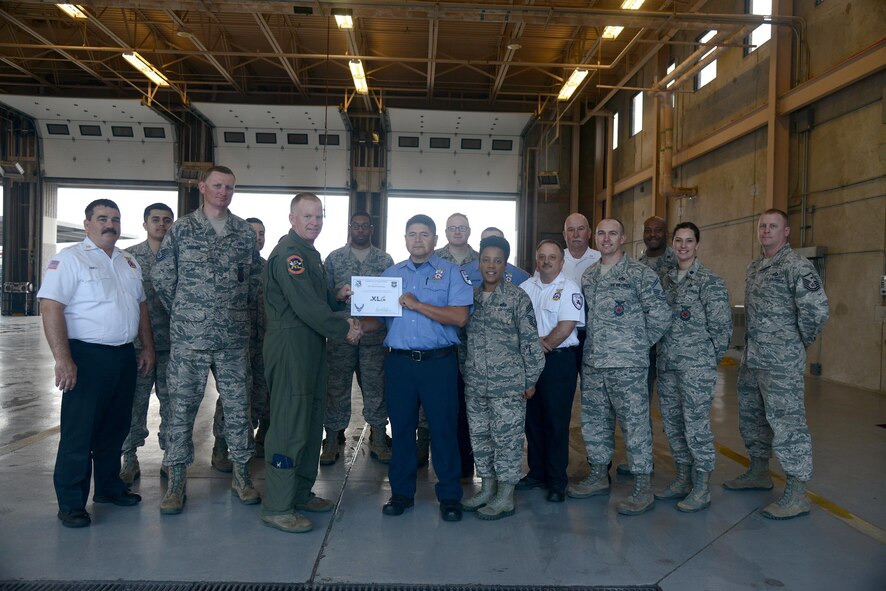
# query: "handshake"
[355,333]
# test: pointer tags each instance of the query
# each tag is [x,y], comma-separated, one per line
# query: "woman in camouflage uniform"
[503,361]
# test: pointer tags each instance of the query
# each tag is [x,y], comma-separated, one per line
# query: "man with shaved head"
[659,256]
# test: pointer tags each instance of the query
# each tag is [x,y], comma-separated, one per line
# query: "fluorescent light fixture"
[575,80]
[72,10]
[142,65]
[344,21]
[359,76]
[614,32]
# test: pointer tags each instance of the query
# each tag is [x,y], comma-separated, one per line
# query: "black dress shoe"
[528,483]
[555,496]
[397,504]
[450,510]
[125,499]
[74,518]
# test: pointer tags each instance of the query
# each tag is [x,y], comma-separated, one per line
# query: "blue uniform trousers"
[433,383]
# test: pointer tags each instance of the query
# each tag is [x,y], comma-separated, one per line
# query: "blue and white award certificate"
[376,296]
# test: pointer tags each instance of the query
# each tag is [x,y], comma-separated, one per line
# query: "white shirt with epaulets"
[554,302]
[101,294]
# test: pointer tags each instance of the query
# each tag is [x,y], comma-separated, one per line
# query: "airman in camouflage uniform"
[688,354]
[627,314]
[206,274]
[501,362]
[358,258]
[786,310]
[158,219]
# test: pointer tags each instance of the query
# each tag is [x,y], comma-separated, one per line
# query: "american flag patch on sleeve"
[53,264]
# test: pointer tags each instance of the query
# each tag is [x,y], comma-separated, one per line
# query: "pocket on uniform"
[98,285]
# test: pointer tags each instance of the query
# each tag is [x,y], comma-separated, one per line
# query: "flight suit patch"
[295,265]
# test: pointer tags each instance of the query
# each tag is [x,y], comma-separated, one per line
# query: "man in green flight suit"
[299,318]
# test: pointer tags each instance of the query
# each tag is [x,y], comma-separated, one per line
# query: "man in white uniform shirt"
[93,307]
[578,256]
[559,306]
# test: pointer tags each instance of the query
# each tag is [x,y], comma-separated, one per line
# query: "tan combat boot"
[379,445]
[241,485]
[681,485]
[756,478]
[130,470]
[293,523]
[597,483]
[422,447]
[220,459]
[174,500]
[641,500]
[793,503]
[700,497]
[501,505]
[487,491]
[331,449]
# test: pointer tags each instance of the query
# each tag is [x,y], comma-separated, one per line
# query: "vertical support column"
[665,149]
[196,152]
[599,167]
[610,165]
[778,127]
[575,159]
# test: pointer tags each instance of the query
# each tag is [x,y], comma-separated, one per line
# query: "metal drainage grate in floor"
[151,586]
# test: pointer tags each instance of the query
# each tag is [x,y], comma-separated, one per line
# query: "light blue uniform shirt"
[436,282]
[513,274]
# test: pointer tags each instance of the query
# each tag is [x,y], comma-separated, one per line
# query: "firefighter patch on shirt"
[53,265]
[438,274]
[295,264]
[557,295]
[578,301]
[685,314]
[464,275]
[619,308]
[811,282]
[131,263]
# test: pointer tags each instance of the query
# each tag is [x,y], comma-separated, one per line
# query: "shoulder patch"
[295,265]
[53,265]
[464,275]
[811,282]
[578,301]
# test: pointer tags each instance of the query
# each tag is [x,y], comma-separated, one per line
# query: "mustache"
[109,231]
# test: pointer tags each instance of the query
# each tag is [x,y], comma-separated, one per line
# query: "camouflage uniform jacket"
[341,265]
[627,314]
[701,324]
[786,310]
[504,356]
[444,254]
[158,314]
[663,264]
[296,291]
[207,281]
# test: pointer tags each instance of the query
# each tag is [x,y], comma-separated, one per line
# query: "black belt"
[423,355]
[88,344]
[562,350]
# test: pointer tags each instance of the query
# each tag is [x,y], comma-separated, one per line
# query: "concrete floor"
[841,545]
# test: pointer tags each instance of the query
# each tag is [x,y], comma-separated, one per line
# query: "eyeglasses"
[457,228]
[361,226]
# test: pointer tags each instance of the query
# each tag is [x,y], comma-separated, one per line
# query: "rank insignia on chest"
[438,274]
[811,282]
[557,295]
[131,263]
[295,265]
[685,314]
[619,308]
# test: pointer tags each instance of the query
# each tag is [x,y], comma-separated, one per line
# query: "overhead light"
[575,80]
[613,32]
[143,66]
[514,46]
[12,169]
[73,10]
[359,76]
[344,17]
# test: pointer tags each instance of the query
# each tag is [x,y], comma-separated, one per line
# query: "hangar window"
[121,131]
[763,33]
[470,143]
[265,137]
[297,139]
[504,145]
[331,139]
[615,131]
[637,113]
[235,137]
[407,141]
[57,129]
[440,142]
[91,130]
[155,133]
[709,72]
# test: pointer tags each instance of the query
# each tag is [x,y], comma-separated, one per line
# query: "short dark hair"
[254,221]
[424,220]
[620,225]
[496,242]
[361,214]
[211,169]
[99,203]
[776,211]
[688,226]
[159,206]
[549,241]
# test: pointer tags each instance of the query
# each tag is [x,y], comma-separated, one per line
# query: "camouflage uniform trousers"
[259,397]
[616,393]
[138,430]
[772,418]
[368,360]
[685,398]
[186,378]
[497,425]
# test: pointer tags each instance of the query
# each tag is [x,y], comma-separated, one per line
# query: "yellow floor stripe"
[17,445]
[847,517]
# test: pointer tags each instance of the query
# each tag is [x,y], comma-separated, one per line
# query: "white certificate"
[376,296]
